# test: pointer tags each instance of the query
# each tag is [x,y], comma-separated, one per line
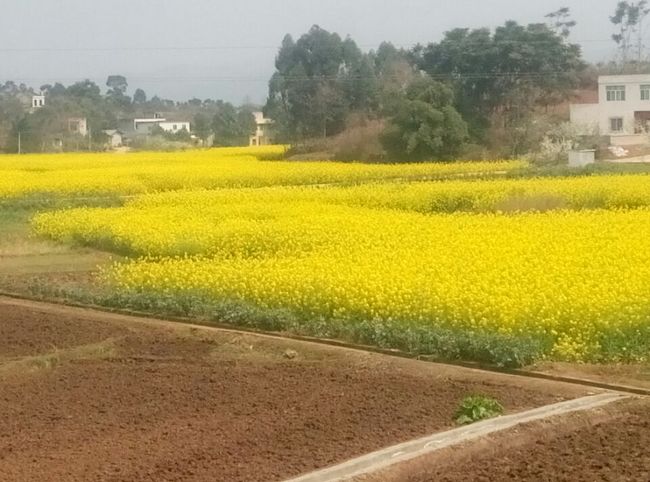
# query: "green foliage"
[432,343]
[509,71]
[476,408]
[46,129]
[318,80]
[231,125]
[139,97]
[425,125]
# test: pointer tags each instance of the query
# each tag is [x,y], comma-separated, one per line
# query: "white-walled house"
[144,126]
[263,134]
[174,126]
[38,101]
[622,111]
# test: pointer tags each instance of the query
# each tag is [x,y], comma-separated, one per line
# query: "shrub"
[476,408]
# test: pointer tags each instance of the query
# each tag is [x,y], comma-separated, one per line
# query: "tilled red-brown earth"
[93,396]
[609,444]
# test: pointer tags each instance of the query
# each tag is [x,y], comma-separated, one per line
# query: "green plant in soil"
[476,408]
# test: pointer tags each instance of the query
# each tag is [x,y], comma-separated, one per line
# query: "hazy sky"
[225,49]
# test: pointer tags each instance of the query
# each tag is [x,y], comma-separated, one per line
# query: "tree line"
[434,98]
[40,129]
[474,91]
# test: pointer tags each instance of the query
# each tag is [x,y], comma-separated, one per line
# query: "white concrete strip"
[397,454]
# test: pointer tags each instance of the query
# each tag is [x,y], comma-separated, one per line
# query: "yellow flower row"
[578,281]
[136,173]
[495,195]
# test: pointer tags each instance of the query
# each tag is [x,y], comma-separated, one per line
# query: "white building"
[263,134]
[38,101]
[622,111]
[78,125]
[174,126]
[144,126]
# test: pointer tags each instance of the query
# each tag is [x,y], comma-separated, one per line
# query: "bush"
[476,408]
[425,125]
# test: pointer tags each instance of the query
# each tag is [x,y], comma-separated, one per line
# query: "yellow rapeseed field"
[491,195]
[576,284]
[502,270]
[142,172]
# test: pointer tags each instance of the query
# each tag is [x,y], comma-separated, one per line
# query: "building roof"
[622,79]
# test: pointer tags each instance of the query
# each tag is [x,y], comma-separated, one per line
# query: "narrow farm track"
[98,312]
[402,453]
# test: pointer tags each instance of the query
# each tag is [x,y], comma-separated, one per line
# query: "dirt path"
[608,444]
[86,395]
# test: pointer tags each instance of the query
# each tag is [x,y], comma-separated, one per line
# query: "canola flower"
[143,172]
[575,282]
[488,195]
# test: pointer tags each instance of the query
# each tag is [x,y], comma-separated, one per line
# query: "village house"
[38,101]
[78,125]
[115,138]
[145,125]
[622,111]
[263,131]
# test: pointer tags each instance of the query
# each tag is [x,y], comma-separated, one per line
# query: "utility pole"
[19,143]
[90,139]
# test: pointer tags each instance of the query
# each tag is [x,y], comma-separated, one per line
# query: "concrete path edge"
[381,459]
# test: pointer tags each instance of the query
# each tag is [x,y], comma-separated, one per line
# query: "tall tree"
[231,126]
[117,86]
[139,97]
[425,125]
[561,22]
[509,71]
[628,19]
[319,79]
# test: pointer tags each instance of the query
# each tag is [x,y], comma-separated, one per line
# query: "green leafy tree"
[139,97]
[202,126]
[85,90]
[425,124]
[232,126]
[319,79]
[117,86]
[509,72]
[394,70]
[11,112]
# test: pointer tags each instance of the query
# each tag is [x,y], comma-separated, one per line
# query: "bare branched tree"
[561,22]
[628,18]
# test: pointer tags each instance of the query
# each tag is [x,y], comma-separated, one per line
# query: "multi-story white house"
[263,130]
[38,101]
[622,111]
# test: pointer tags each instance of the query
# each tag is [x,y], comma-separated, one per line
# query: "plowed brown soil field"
[607,444]
[93,396]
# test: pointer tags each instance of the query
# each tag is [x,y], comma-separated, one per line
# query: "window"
[175,127]
[645,92]
[615,93]
[616,124]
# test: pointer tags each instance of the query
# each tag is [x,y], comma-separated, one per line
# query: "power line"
[320,78]
[257,47]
